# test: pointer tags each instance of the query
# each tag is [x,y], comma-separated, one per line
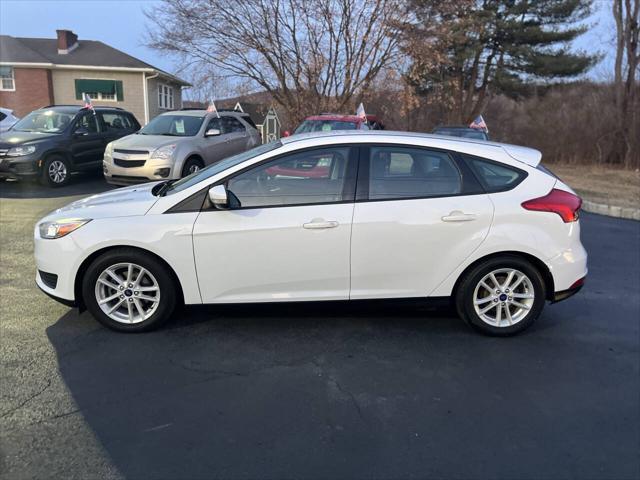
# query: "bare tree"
[625,14]
[310,55]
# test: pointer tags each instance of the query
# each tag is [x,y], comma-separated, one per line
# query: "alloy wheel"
[503,297]
[193,169]
[57,171]
[127,293]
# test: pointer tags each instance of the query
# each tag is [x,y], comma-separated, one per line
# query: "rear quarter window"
[494,176]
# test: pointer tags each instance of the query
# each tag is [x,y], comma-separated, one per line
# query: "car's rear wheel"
[501,296]
[56,171]
[192,165]
[129,291]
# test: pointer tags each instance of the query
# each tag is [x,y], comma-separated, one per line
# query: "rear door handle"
[458,216]
[319,223]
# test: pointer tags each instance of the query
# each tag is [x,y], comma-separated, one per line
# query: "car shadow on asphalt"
[167,403]
[80,184]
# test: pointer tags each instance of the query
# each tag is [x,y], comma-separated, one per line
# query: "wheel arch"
[82,270]
[56,152]
[535,261]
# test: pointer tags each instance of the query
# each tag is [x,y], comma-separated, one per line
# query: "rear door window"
[232,125]
[406,172]
[116,122]
[494,176]
[88,121]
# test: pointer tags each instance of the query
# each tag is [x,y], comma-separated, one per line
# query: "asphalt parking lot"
[366,390]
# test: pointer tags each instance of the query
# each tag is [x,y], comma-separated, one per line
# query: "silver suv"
[176,144]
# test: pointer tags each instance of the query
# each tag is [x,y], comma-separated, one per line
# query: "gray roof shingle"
[88,53]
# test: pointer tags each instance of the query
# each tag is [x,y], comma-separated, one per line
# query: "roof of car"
[77,108]
[335,117]
[201,111]
[454,127]
[523,154]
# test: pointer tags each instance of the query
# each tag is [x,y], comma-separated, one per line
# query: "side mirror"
[286,133]
[218,197]
[81,131]
[212,132]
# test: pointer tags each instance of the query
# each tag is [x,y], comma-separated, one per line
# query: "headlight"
[109,149]
[20,151]
[163,153]
[60,228]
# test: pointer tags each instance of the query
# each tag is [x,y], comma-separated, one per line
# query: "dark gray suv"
[52,142]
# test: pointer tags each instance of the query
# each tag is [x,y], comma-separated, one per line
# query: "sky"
[122,24]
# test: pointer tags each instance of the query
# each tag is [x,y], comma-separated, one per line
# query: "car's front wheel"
[501,296]
[56,171]
[192,165]
[129,291]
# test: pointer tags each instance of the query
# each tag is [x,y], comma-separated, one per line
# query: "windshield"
[460,132]
[324,126]
[44,121]
[173,126]
[216,168]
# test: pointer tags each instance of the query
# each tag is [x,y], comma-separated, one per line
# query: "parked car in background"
[53,142]
[176,144]
[460,131]
[7,119]
[329,122]
[389,215]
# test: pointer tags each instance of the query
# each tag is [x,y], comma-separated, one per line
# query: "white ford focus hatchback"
[345,216]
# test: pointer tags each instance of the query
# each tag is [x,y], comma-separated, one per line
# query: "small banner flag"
[360,112]
[212,108]
[87,101]
[479,124]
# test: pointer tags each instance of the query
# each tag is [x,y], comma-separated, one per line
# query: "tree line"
[421,63]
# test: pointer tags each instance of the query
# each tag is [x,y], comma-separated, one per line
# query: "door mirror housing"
[218,197]
[81,131]
[212,132]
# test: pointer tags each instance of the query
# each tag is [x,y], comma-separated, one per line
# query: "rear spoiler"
[526,155]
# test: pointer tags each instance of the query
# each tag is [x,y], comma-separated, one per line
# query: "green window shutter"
[119,91]
[99,86]
[78,89]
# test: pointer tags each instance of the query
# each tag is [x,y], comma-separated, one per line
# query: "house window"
[105,97]
[99,90]
[165,97]
[7,82]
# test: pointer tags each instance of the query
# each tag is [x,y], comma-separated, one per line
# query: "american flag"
[360,112]
[212,108]
[87,101]
[479,124]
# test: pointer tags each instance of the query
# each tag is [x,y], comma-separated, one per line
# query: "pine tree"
[465,50]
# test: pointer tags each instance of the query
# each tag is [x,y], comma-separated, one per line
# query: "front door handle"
[319,223]
[458,216]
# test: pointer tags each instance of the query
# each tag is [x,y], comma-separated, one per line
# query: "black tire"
[190,164]
[164,278]
[52,168]
[464,298]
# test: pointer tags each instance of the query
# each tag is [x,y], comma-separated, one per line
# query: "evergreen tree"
[464,50]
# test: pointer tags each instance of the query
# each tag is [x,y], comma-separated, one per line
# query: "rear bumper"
[564,294]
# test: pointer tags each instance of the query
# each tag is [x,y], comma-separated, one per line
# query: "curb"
[610,210]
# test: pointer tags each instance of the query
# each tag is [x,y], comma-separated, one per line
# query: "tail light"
[557,201]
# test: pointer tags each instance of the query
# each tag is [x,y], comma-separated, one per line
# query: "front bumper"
[47,291]
[151,171]
[19,167]
[60,258]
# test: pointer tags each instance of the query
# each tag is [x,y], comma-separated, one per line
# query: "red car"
[328,122]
